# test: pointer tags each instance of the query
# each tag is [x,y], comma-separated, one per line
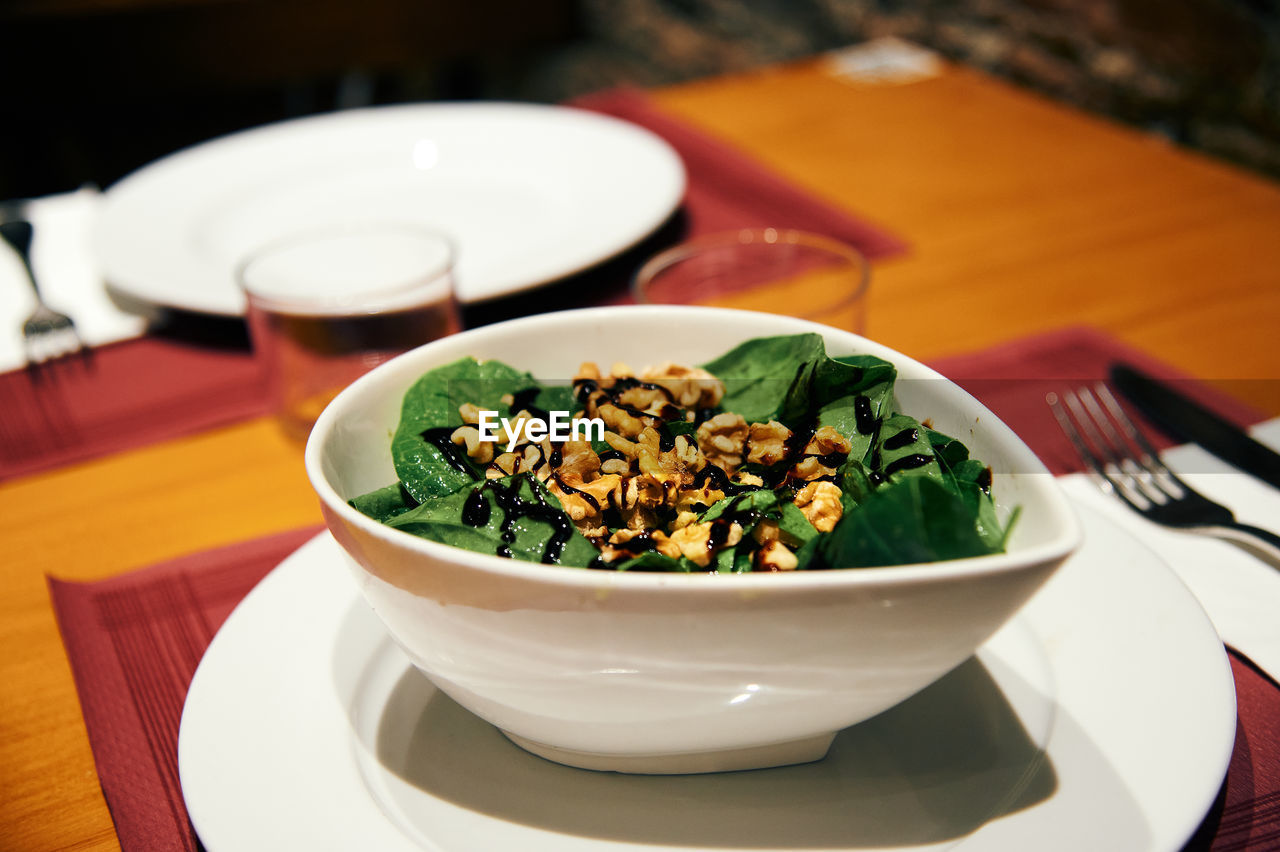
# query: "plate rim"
[665,166]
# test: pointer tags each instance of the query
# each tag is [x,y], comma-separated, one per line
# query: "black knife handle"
[1190,422]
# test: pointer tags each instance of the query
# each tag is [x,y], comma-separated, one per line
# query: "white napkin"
[62,255]
[1239,591]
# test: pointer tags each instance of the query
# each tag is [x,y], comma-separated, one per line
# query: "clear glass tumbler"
[766,269]
[325,306]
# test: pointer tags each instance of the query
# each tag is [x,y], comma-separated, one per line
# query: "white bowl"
[667,673]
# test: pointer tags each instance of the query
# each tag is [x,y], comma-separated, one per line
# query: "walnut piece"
[477,450]
[767,443]
[820,503]
[826,441]
[773,555]
[694,541]
[690,387]
[723,440]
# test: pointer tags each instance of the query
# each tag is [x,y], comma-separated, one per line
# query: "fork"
[47,334]
[1126,465]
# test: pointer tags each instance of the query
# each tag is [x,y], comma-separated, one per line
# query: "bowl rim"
[1066,532]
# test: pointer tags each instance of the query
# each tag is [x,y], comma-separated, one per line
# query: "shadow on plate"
[928,771]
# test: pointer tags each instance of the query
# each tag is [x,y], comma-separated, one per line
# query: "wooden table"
[1022,216]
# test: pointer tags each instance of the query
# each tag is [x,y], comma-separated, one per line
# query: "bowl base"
[804,750]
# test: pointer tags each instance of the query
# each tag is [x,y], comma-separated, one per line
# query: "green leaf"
[900,447]
[442,519]
[839,382]
[384,503]
[916,519]
[795,527]
[652,560]
[759,501]
[768,376]
[432,402]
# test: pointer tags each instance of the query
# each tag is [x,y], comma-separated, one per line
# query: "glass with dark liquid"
[328,305]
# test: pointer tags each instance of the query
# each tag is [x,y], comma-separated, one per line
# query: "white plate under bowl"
[1101,717]
[530,193]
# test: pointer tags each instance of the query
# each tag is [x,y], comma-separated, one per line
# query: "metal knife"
[1190,422]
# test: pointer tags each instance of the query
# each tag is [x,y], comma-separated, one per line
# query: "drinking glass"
[326,305]
[765,269]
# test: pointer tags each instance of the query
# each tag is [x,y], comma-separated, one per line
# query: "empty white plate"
[529,193]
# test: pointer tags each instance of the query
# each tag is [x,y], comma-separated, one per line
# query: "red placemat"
[137,392]
[124,395]
[134,640]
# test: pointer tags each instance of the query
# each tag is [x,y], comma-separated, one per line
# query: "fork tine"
[1097,453]
[1139,474]
[1148,457]
[1074,433]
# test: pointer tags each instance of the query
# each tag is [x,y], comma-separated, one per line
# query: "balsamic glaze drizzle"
[514,507]
[584,389]
[864,419]
[522,400]
[905,438]
[908,462]
[439,437]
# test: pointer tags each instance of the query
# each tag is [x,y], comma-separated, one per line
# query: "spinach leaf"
[384,503]
[760,502]
[432,403]
[915,519]
[837,385]
[442,519]
[903,448]
[652,560]
[768,378]
[794,526]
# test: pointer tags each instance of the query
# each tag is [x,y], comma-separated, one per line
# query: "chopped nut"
[743,477]
[647,399]
[621,444]
[641,491]
[638,517]
[766,530]
[531,458]
[683,519]
[586,501]
[820,503]
[691,541]
[615,548]
[687,454]
[810,468]
[617,419]
[723,439]
[690,387]
[618,466]
[665,546]
[470,413]
[767,442]
[695,542]
[587,372]
[827,441]
[578,462]
[775,556]
[480,451]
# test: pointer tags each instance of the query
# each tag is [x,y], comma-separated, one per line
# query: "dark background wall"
[99,87]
